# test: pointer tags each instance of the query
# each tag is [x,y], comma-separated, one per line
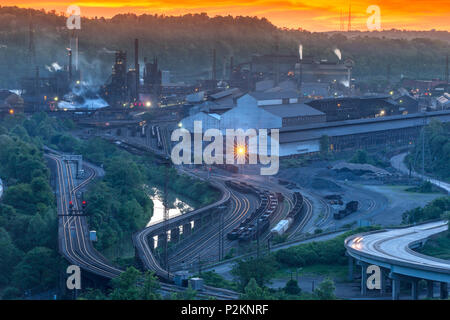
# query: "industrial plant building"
[259,110]
[124,89]
[349,108]
[10,103]
[357,134]
[348,122]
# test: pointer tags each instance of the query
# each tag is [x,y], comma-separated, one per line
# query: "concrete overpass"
[391,250]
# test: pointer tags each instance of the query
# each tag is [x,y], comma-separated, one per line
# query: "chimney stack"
[136,66]
[446,70]
[231,66]
[70,65]
[214,65]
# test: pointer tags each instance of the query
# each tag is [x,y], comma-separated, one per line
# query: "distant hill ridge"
[183,44]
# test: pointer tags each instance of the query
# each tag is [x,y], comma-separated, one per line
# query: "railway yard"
[255,210]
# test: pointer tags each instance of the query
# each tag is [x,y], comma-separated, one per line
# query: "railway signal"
[75,212]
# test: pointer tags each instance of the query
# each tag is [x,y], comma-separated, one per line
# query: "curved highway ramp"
[391,250]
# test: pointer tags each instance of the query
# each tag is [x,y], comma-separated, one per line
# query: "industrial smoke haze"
[106,51]
[56,66]
[338,53]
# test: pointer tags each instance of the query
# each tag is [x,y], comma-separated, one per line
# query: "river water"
[178,207]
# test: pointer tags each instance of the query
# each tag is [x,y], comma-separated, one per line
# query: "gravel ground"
[378,203]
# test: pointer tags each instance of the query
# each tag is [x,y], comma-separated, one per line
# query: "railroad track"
[140,238]
[327,214]
[207,241]
[75,244]
[73,234]
[306,217]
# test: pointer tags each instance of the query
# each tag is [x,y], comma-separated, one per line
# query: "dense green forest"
[436,146]
[183,45]
[29,260]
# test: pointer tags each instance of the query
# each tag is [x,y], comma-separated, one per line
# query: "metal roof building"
[360,133]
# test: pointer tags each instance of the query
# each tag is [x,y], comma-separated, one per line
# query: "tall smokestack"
[446,69]
[388,75]
[76,53]
[277,61]
[70,64]
[224,68]
[214,65]
[136,66]
[231,66]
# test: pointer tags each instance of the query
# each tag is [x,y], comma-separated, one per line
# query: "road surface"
[397,162]
[393,248]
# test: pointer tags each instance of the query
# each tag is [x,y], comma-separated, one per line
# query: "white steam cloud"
[338,53]
[56,66]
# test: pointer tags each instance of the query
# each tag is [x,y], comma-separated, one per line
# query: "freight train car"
[255,229]
[259,220]
[296,212]
[350,207]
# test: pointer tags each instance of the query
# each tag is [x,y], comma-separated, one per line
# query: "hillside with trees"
[183,45]
[434,144]
[29,259]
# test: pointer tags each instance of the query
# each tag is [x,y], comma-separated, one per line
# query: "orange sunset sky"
[313,15]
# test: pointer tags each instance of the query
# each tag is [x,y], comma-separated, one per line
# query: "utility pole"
[166,217]
[221,231]
[423,148]
[257,238]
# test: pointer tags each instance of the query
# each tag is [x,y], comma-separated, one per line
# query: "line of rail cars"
[259,220]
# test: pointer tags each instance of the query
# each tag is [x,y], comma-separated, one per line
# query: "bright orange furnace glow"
[314,15]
